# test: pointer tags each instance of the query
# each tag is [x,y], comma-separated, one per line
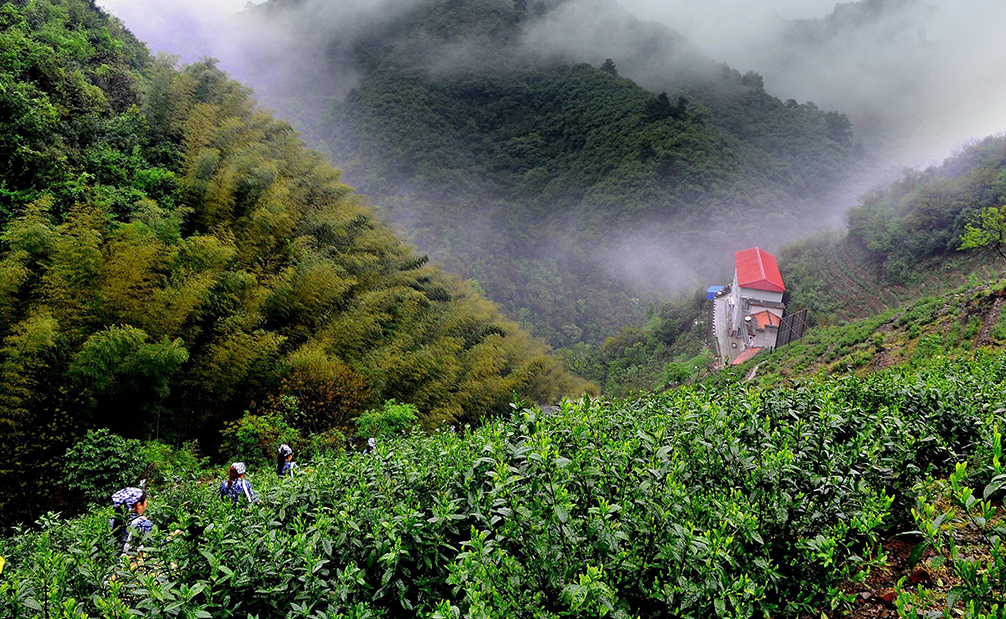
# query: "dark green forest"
[903,237]
[539,177]
[901,247]
[172,257]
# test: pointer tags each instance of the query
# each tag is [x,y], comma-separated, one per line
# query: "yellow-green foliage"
[196,260]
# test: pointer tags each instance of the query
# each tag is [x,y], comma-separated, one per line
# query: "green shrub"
[323,443]
[101,463]
[392,419]
[927,347]
[254,439]
[999,331]
[978,573]
[685,369]
[721,499]
[165,463]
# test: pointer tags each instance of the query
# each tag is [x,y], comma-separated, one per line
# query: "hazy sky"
[914,95]
[916,84]
[931,88]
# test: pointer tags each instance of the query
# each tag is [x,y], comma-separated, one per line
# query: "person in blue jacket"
[284,461]
[129,520]
[236,486]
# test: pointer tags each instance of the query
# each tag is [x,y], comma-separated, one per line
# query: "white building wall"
[763,295]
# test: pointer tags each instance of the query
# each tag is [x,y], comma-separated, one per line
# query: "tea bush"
[165,463]
[254,438]
[725,501]
[393,418]
[101,463]
[979,574]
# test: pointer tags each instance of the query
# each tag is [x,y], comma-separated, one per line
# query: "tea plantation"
[725,501]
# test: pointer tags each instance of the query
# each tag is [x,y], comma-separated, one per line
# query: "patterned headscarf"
[284,450]
[127,497]
[239,467]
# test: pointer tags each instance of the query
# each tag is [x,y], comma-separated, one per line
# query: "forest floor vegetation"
[726,501]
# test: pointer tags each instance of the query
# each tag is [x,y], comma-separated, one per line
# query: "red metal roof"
[746,355]
[758,269]
[766,319]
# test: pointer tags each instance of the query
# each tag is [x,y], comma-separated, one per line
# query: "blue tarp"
[712,290]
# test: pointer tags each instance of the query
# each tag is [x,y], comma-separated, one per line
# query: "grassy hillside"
[711,502]
[900,250]
[559,187]
[171,257]
[947,326]
[902,239]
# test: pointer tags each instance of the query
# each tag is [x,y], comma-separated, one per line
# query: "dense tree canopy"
[544,179]
[172,255]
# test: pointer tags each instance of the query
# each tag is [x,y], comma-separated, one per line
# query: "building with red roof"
[753,309]
[756,269]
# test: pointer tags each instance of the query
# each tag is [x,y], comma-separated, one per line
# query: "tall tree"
[987,232]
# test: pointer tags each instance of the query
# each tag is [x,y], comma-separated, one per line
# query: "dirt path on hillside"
[989,321]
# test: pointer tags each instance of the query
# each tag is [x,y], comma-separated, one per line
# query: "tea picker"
[284,461]
[237,486]
[130,505]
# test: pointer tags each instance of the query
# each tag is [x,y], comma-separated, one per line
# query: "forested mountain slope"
[903,239]
[171,256]
[566,191]
[900,250]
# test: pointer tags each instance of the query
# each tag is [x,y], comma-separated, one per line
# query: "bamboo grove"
[173,256]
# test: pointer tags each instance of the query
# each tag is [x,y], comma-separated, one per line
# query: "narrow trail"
[989,321]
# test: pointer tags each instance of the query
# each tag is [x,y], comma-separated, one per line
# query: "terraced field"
[856,289]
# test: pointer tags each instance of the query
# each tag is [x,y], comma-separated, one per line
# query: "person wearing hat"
[130,505]
[236,485]
[371,445]
[284,461]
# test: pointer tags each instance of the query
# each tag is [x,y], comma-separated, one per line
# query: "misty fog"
[918,82]
[917,79]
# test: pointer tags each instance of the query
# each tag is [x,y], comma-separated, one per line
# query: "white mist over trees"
[918,79]
[886,62]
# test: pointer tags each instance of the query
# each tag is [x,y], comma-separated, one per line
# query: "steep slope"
[900,249]
[566,191]
[902,239]
[952,325]
[173,255]
[736,501]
